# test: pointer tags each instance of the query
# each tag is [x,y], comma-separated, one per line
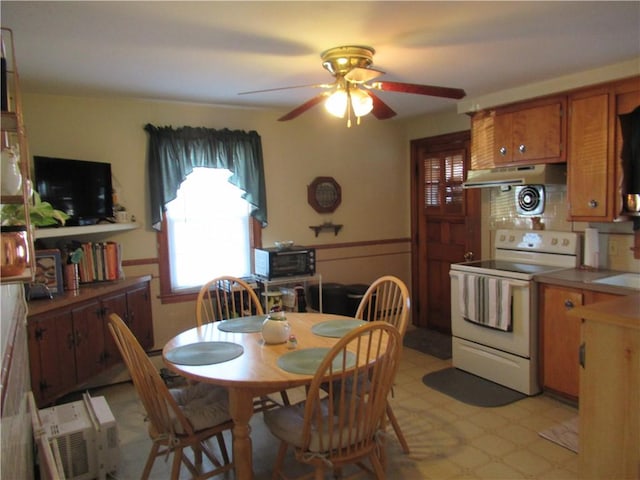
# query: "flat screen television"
[80,188]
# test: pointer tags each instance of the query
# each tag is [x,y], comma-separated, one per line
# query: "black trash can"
[355,293]
[334,298]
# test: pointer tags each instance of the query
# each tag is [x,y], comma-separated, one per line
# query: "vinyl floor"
[448,439]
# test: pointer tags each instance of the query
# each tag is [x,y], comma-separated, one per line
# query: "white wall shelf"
[84,230]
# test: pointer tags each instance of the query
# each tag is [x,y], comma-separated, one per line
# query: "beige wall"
[370,162]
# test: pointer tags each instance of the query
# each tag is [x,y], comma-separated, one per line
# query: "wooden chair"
[177,418]
[226,297]
[387,299]
[346,426]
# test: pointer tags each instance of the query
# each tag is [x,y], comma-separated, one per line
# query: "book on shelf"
[101,262]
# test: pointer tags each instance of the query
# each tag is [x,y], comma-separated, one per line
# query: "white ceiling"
[208,52]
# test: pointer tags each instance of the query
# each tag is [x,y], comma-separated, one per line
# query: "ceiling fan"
[352,91]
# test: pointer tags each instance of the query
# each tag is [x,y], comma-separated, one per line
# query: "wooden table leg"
[241,409]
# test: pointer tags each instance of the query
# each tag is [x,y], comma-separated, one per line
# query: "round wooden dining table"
[252,374]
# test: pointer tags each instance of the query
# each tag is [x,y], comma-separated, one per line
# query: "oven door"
[520,340]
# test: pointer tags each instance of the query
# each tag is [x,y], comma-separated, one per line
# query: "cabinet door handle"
[568,304]
[503,151]
[582,354]
[39,333]
[70,341]
[522,148]
[593,203]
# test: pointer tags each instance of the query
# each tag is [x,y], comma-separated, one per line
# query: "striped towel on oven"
[486,301]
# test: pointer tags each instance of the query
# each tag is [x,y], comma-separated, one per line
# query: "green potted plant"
[41,214]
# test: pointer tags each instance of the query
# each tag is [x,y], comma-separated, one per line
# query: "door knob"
[468,256]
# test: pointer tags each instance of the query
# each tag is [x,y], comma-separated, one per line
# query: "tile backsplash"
[615,239]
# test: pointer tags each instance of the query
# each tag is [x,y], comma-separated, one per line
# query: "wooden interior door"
[445,223]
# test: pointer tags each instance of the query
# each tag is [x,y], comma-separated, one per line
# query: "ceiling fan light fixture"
[336,104]
[361,102]
[352,92]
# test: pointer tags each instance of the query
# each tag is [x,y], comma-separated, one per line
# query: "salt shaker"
[292,343]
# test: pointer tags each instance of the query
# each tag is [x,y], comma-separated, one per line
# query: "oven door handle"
[512,282]
[518,283]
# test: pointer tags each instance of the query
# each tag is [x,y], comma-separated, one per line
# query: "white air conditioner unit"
[87,436]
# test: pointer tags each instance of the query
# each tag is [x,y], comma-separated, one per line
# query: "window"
[443,177]
[208,232]
[212,233]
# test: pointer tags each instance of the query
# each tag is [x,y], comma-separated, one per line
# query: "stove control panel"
[542,241]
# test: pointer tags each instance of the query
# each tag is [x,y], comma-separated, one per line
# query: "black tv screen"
[80,188]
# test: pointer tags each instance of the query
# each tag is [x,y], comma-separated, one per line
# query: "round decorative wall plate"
[324,194]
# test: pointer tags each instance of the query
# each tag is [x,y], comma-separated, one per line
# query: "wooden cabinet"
[69,341]
[560,339]
[521,134]
[134,307]
[482,140]
[531,133]
[610,390]
[51,355]
[560,336]
[594,167]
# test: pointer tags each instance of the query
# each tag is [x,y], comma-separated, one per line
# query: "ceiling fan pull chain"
[348,107]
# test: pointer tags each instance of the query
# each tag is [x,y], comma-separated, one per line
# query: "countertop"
[87,292]
[583,279]
[622,312]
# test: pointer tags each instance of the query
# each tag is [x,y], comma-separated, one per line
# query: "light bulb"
[361,103]
[336,104]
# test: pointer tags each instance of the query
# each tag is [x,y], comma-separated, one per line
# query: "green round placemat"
[204,353]
[250,324]
[307,360]
[335,328]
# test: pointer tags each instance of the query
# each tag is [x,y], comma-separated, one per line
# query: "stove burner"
[530,199]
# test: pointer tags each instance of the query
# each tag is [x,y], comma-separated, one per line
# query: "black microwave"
[272,263]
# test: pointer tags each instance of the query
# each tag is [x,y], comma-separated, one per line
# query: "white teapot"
[276,328]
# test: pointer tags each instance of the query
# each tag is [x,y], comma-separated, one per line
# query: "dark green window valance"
[174,153]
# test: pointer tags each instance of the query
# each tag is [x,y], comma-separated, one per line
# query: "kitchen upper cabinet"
[521,134]
[531,134]
[596,183]
[482,139]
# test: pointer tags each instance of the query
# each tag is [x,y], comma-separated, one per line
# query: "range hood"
[543,174]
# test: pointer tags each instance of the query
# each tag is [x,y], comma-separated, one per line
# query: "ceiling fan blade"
[381,110]
[431,90]
[361,75]
[303,108]
[313,85]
